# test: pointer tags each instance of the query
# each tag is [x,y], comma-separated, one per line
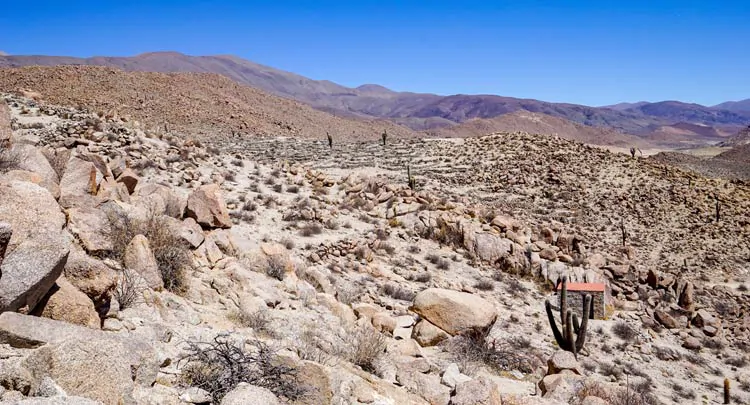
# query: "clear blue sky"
[589,52]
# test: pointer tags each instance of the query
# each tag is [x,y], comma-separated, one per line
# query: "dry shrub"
[220,365]
[258,320]
[311,229]
[172,254]
[310,346]
[129,289]
[475,346]
[484,285]
[633,394]
[397,292]
[275,266]
[624,331]
[364,346]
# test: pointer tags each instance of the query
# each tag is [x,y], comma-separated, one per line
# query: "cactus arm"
[584,323]
[564,299]
[576,324]
[568,332]
[553,324]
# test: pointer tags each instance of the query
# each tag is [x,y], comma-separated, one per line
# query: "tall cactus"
[727,399]
[384,136]
[330,140]
[411,180]
[569,322]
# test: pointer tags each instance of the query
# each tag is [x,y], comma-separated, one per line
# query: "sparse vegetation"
[218,366]
[397,292]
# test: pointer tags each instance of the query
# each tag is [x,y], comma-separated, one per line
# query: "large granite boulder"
[453,311]
[206,205]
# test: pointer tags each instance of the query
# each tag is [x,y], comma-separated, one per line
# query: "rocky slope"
[198,104]
[143,258]
[536,123]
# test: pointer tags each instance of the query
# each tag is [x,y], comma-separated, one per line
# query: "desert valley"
[183,229]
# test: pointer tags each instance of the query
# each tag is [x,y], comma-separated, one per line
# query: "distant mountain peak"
[3,53]
[160,53]
[374,88]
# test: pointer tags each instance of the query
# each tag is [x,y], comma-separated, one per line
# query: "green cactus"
[384,136]
[330,140]
[572,338]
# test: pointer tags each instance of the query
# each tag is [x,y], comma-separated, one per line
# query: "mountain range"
[672,122]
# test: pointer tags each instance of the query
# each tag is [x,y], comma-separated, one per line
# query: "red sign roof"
[595,287]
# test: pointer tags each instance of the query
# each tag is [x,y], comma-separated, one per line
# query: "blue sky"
[588,52]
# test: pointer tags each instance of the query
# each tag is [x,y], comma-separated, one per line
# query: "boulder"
[195,395]
[454,311]
[30,210]
[90,276]
[129,179]
[704,318]
[560,387]
[562,360]
[79,184]
[92,227]
[174,204]
[245,393]
[426,386]
[29,271]
[34,161]
[207,207]
[66,303]
[665,319]
[691,343]
[480,391]
[82,361]
[112,190]
[105,370]
[452,376]
[427,334]
[140,259]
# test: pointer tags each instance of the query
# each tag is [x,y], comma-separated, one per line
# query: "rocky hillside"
[144,268]
[199,104]
[536,123]
[419,111]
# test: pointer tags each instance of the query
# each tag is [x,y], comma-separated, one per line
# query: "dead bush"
[220,365]
[311,229]
[484,285]
[364,346]
[258,320]
[397,292]
[633,394]
[624,331]
[275,266]
[475,346]
[311,347]
[129,289]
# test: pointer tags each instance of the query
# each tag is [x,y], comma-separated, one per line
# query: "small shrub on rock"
[220,365]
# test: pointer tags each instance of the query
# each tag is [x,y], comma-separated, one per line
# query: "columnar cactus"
[411,180]
[330,140]
[726,391]
[384,136]
[569,322]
